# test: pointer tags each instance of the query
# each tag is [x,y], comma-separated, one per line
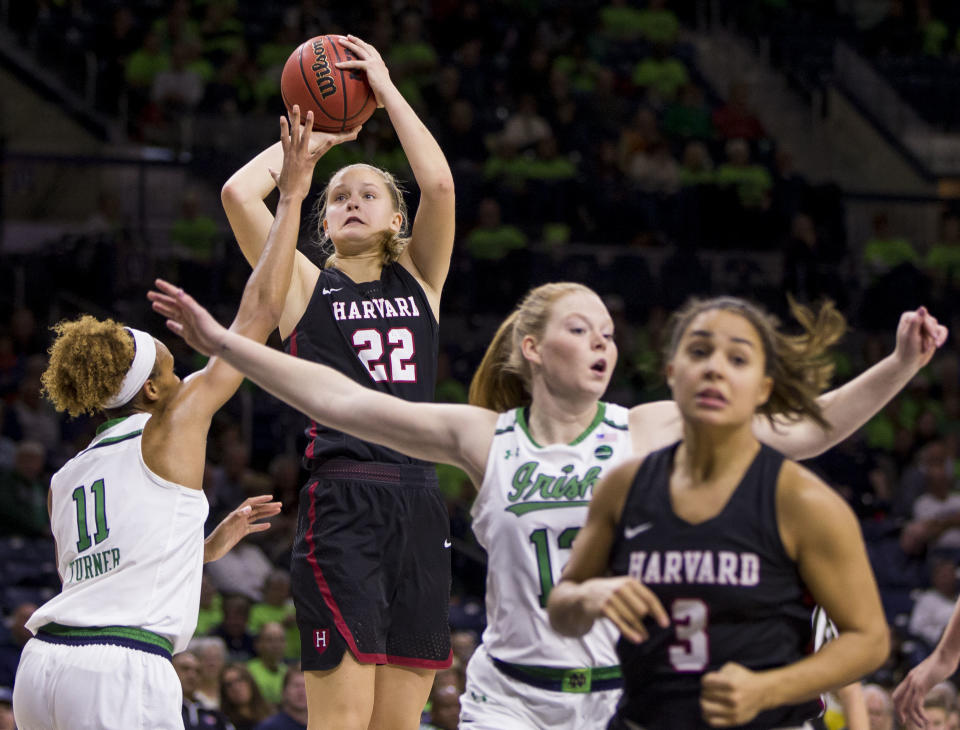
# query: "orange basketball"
[340,99]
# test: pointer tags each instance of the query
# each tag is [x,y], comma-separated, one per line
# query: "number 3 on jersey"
[369,344]
[100,515]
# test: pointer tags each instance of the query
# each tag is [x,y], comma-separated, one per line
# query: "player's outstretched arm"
[909,695]
[452,434]
[431,242]
[264,295]
[848,407]
[583,595]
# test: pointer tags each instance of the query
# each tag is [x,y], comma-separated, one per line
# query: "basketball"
[339,99]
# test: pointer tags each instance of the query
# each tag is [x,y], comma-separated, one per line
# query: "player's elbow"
[440,186]
[232,195]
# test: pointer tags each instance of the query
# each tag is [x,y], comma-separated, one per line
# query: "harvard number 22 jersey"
[382,334]
[531,505]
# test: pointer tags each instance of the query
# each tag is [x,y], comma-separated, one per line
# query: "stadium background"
[650,149]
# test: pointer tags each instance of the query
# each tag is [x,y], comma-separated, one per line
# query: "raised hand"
[186,318]
[243,521]
[919,334]
[369,61]
[733,695]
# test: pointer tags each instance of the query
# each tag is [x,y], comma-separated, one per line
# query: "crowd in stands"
[915,44]
[565,123]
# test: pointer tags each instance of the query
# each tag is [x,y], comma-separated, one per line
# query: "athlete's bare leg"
[341,698]
[401,695]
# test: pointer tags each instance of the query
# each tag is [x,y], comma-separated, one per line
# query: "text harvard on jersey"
[374,308]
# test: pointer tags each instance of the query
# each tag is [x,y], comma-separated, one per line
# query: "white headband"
[144,357]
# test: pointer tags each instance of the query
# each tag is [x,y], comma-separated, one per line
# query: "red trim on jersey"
[328,595]
[404,661]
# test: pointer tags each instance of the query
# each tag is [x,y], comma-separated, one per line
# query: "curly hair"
[88,361]
[392,244]
[800,365]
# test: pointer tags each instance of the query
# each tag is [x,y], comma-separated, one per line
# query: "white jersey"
[531,505]
[129,544]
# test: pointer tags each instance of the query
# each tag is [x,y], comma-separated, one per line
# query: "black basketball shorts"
[371,566]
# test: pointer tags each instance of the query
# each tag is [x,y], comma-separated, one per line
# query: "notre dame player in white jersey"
[128,511]
[535,447]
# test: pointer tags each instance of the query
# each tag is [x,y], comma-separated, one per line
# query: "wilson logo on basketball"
[321,69]
[320,640]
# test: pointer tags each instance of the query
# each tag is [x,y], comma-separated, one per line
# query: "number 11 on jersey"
[100,515]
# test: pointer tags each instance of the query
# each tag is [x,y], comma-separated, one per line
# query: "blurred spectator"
[885,250]
[659,24]
[195,715]
[243,571]
[232,481]
[194,234]
[735,119]
[211,606]
[934,607]
[143,65]
[654,171]
[525,127]
[444,708]
[177,26]
[233,630]
[620,21]
[29,417]
[934,33]
[751,181]
[492,239]
[221,32]
[6,709]
[411,58]
[688,117]
[463,643]
[240,698]
[879,707]
[211,652]
[27,338]
[267,667]
[639,135]
[662,75]
[277,606]
[23,493]
[12,642]
[807,270]
[293,707]
[936,512]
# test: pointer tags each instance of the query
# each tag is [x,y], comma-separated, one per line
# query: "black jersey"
[382,334]
[732,592]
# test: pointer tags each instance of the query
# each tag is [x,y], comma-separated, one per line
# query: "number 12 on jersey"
[100,515]
[544,566]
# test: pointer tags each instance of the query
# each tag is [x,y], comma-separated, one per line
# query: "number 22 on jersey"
[370,349]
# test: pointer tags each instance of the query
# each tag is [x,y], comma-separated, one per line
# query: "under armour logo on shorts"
[320,640]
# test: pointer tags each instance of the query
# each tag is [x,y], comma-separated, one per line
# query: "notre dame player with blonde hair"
[128,511]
